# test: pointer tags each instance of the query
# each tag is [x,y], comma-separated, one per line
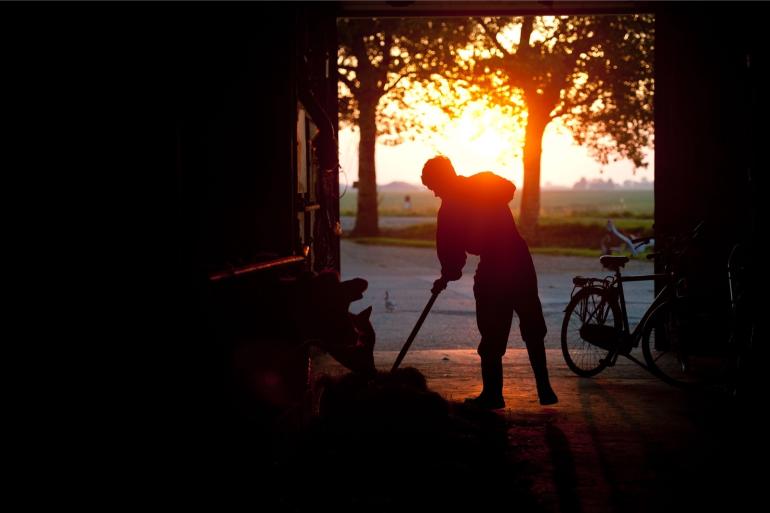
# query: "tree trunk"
[533,149]
[367,222]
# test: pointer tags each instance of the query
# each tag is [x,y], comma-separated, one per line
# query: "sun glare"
[482,133]
[481,138]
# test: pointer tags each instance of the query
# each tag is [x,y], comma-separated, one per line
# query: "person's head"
[438,174]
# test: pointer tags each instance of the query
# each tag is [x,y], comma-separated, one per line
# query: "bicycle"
[595,330]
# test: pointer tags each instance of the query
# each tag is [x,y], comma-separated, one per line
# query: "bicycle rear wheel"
[591,327]
[676,351]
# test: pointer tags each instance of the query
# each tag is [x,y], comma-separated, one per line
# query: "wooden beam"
[353,9]
[256,267]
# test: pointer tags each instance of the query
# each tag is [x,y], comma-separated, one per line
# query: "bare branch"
[358,49]
[386,56]
[492,37]
[351,85]
[526,31]
[394,84]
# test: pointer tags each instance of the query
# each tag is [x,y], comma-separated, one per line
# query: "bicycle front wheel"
[591,327]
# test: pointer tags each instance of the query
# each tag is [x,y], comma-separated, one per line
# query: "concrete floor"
[622,441]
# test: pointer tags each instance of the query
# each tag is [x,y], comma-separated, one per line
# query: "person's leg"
[533,329]
[494,313]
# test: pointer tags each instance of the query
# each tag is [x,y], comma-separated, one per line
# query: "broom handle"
[414,331]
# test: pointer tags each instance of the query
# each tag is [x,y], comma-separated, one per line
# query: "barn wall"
[707,116]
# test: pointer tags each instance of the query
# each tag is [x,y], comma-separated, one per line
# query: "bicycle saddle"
[613,263]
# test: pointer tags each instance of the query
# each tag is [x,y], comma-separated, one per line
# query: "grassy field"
[564,234]
[554,204]
[417,243]
[571,222]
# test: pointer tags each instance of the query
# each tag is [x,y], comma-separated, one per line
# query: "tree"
[592,72]
[379,58]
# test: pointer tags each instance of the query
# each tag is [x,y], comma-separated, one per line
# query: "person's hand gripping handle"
[439,285]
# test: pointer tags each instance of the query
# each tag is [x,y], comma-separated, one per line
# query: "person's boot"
[545,393]
[536,352]
[491,397]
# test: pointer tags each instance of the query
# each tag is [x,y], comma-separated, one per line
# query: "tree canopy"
[382,58]
[593,73]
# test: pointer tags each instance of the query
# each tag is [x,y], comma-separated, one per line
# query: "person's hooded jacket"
[475,218]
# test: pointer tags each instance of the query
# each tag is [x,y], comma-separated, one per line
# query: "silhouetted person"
[474,218]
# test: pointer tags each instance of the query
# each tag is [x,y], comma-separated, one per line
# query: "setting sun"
[485,135]
[471,89]
[483,138]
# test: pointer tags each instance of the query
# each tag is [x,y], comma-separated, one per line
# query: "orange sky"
[486,147]
[483,139]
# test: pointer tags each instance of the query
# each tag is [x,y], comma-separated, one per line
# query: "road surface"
[407,274]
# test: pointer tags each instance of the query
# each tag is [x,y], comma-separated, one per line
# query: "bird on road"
[390,306]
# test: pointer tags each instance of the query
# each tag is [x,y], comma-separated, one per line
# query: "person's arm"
[450,244]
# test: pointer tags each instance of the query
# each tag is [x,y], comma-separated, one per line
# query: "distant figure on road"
[474,218]
[407,202]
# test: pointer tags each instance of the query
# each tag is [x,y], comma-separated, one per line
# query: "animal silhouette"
[326,321]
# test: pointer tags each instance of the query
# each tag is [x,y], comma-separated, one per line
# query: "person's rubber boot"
[536,353]
[545,393]
[491,397]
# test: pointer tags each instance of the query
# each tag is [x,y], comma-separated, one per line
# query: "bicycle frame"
[668,331]
[659,299]
[632,338]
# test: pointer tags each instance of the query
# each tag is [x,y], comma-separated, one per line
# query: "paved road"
[348,222]
[408,273]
